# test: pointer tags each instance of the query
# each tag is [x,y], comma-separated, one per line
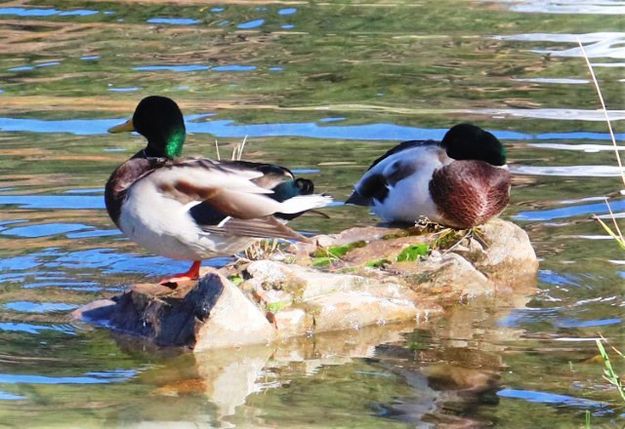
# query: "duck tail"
[303,203]
[356,199]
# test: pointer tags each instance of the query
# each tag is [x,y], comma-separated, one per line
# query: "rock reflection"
[448,367]
[227,377]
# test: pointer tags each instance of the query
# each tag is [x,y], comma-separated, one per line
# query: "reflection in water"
[226,128]
[287,11]
[324,88]
[88,378]
[39,307]
[251,24]
[173,21]
[599,7]
[173,68]
[551,398]
[34,12]
[31,328]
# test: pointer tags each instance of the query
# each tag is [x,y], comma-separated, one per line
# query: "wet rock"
[446,278]
[333,301]
[207,314]
[369,276]
[369,234]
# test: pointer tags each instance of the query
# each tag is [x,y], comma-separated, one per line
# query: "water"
[308,84]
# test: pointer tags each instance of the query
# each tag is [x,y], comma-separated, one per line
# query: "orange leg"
[192,274]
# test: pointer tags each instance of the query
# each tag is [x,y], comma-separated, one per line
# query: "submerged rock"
[360,277]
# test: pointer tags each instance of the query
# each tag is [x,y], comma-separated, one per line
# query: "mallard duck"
[460,182]
[198,208]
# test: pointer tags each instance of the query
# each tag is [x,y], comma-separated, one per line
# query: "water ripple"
[6,396]
[251,24]
[550,398]
[32,328]
[173,21]
[597,45]
[103,377]
[34,12]
[595,7]
[569,211]
[39,307]
[568,170]
[372,131]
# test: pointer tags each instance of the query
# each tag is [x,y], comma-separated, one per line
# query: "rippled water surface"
[322,87]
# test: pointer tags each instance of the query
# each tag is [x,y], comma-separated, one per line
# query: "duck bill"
[125,127]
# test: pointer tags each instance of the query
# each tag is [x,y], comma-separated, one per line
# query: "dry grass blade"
[612,234]
[217,149]
[237,152]
[609,373]
[618,235]
[603,107]
[616,227]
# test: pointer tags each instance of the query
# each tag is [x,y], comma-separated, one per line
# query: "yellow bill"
[126,126]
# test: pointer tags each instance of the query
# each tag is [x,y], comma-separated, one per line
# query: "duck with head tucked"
[460,182]
[196,208]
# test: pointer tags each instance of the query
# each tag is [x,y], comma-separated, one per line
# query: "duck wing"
[404,146]
[226,198]
[267,227]
[391,168]
[272,175]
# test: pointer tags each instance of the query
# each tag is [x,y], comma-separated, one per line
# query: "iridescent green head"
[469,142]
[159,120]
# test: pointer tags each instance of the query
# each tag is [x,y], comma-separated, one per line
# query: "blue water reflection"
[44,230]
[569,211]
[233,68]
[6,396]
[550,398]
[287,11]
[173,21]
[574,323]
[125,89]
[251,24]
[99,377]
[39,307]
[173,68]
[36,12]
[32,328]
[230,128]
[53,201]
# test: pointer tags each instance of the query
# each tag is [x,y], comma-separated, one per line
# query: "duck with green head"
[196,208]
[460,182]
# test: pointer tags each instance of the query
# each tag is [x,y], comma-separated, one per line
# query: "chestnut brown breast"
[469,193]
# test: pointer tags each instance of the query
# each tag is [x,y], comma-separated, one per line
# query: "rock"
[334,301]
[302,282]
[344,310]
[294,322]
[368,234]
[370,276]
[99,311]
[233,321]
[211,313]
[509,258]
[447,278]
